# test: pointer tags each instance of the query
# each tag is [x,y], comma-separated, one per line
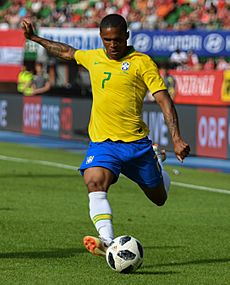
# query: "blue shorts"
[136,160]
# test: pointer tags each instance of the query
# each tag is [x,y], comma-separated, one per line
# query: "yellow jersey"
[118,90]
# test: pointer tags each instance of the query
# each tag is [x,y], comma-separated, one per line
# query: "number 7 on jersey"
[106,79]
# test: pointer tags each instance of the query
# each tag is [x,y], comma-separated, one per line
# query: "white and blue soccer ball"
[125,254]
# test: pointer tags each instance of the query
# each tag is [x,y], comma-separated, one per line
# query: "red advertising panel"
[32,115]
[198,87]
[11,54]
[66,118]
[212,131]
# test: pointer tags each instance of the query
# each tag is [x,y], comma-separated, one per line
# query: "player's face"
[115,42]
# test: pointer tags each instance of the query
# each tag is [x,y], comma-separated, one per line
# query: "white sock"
[101,215]
[166,179]
[161,163]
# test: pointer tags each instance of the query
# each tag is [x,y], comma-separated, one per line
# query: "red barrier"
[31,123]
[212,132]
[11,54]
[199,87]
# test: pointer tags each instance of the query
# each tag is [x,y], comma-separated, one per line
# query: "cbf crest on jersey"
[125,65]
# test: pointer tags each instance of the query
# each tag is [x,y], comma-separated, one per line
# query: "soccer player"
[120,78]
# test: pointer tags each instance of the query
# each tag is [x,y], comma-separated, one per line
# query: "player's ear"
[127,35]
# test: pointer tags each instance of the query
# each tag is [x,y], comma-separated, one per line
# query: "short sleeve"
[151,76]
[82,57]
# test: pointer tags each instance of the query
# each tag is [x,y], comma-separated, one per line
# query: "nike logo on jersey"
[96,62]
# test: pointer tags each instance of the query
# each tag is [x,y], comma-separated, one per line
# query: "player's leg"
[99,173]
[161,157]
[158,194]
[98,180]
[145,169]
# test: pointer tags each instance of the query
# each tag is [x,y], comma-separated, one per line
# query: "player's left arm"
[181,148]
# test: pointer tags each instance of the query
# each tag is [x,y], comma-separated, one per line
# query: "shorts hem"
[102,166]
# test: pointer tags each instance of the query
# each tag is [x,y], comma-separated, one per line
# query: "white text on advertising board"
[192,85]
[31,115]
[77,38]
[3,113]
[183,42]
[50,117]
[212,131]
[158,129]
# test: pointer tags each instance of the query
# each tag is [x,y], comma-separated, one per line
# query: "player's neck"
[128,50]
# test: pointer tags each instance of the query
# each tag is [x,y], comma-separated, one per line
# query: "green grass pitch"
[44,216]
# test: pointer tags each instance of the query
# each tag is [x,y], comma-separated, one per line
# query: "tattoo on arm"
[171,118]
[172,122]
[60,50]
[57,49]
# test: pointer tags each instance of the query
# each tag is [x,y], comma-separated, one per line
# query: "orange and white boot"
[95,245]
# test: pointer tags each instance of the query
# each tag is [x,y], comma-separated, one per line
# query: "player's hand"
[181,149]
[28,28]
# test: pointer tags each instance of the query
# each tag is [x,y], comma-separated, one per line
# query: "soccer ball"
[125,254]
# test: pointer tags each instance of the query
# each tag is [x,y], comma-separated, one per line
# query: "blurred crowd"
[33,81]
[140,14]
[181,60]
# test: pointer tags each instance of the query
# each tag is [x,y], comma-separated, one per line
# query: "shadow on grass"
[199,261]
[165,247]
[7,209]
[55,253]
[155,273]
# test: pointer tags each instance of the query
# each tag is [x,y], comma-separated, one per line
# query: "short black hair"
[113,21]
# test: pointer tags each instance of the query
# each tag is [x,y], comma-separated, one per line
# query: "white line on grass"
[65,166]
[202,188]
[41,162]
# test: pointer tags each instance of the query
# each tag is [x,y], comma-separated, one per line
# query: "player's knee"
[156,195]
[160,202]
[162,199]
[94,186]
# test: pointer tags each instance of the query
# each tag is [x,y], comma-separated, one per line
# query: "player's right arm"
[181,148]
[56,49]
